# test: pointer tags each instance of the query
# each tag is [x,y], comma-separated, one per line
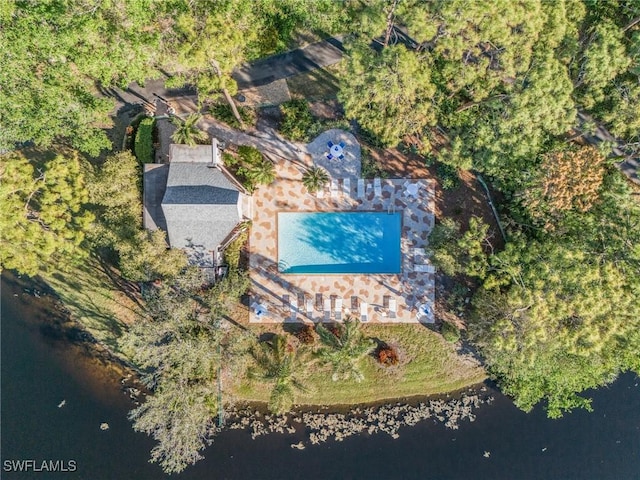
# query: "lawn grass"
[428,365]
[320,84]
[95,300]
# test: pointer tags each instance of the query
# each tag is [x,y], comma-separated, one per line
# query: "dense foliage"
[43,219]
[296,119]
[178,348]
[143,143]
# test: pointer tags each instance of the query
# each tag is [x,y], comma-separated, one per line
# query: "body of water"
[40,371]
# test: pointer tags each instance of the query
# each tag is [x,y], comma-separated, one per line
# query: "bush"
[143,145]
[222,111]
[249,155]
[387,355]
[297,120]
[232,252]
[305,335]
[229,160]
[450,332]
[448,176]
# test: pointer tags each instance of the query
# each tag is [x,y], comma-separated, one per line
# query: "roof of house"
[200,206]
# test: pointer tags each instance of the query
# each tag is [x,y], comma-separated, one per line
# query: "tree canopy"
[43,219]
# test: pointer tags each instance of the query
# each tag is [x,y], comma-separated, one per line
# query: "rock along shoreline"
[319,427]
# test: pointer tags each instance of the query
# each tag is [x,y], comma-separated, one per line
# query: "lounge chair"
[346,187]
[377,187]
[320,192]
[327,310]
[393,308]
[334,188]
[286,306]
[361,188]
[364,312]
[418,267]
[294,309]
[419,255]
[337,310]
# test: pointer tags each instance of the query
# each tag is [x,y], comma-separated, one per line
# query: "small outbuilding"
[195,200]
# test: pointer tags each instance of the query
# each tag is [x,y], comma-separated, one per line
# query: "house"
[195,201]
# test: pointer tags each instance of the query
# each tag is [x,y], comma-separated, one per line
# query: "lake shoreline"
[62,327]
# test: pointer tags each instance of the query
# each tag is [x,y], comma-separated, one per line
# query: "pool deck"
[275,291]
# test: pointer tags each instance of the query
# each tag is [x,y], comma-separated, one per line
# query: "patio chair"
[294,310]
[342,144]
[364,312]
[422,268]
[377,187]
[337,310]
[327,310]
[334,188]
[319,301]
[393,308]
[329,144]
[361,188]
[346,187]
[419,255]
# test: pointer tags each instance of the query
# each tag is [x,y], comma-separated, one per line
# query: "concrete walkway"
[267,141]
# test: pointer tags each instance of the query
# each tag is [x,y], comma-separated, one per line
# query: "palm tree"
[187,132]
[276,362]
[344,350]
[262,172]
[315,178]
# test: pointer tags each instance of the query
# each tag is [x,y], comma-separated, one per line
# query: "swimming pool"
[339,242]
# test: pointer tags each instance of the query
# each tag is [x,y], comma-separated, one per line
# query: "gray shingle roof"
[200,206]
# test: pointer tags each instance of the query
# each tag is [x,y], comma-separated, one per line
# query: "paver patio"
[286,296]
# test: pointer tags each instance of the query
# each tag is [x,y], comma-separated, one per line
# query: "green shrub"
[222,111]
[232,252]
[448,176]
[229,160]
[297,120]
[249,155]
[450,332]
[143,145]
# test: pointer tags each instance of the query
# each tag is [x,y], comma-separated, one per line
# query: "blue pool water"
[339,242]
